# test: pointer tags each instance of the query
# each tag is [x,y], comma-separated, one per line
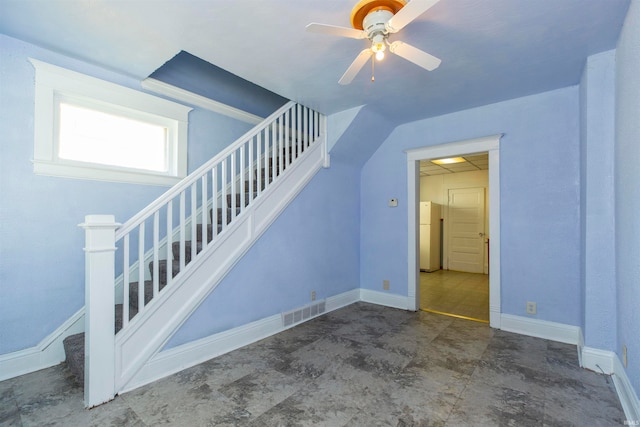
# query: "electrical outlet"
[624,355]
[531,307]
[385,285]
[313,295]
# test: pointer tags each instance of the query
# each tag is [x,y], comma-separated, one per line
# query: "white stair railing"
[170,233]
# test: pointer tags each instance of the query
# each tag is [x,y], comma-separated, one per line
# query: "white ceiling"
[491,50]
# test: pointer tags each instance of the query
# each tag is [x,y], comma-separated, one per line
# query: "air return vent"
[299,315]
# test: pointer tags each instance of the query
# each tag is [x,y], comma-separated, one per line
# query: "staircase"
[169,257]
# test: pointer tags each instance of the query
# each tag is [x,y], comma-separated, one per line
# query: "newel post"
[99,361]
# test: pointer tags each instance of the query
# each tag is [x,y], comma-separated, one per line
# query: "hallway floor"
[456,293]
[362,365]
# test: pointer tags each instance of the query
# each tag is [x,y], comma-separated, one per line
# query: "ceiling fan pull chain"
[373,77]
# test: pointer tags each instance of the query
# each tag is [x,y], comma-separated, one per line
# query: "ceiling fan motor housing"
[375,22]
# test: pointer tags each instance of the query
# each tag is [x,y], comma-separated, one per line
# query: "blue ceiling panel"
[191,73]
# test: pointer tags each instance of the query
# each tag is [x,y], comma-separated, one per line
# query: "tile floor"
[455,292]
[363,365]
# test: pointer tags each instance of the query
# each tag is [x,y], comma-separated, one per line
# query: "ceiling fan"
[376,20]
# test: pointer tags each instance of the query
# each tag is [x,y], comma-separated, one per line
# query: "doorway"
[459,187]
[488,144]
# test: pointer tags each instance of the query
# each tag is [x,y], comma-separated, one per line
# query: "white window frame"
[54,83]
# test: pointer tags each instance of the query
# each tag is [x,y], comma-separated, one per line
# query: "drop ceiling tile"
[477,157]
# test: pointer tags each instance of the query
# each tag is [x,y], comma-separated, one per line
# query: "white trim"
[492,145]
[600,361]
[49,352]
[53,82]
[541,329]
[184,356]
[342,300]
[386,299]
[627,395]
[199,101]
[580,346]
[608,362]
[495,279]
[97,172]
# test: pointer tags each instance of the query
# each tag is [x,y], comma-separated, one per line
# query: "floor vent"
[301,314]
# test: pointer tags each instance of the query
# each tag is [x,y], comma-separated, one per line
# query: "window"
[92,129]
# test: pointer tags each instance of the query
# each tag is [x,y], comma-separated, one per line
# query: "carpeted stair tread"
[247,198]
[229,211]
[74,348]
[209,232]
[187,251]
[148,294]
[74,351]
[162,270]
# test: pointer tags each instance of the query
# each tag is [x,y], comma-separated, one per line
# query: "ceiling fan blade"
[355,67]
[408,13]
[415,55]
[334,30]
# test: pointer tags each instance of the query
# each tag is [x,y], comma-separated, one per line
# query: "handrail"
[195,175]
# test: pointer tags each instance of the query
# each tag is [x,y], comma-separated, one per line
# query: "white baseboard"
[540,328]
[580,346]
[608,362]
[184,356]
[600,361]
[342,300]
[384,298]
[49,352]
[627,395]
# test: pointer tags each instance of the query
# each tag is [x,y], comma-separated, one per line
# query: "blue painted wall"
[312,246]
[597,202]
[41,256]
[540,207]
[627,191]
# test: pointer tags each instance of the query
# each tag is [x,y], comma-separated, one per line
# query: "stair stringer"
[152,328]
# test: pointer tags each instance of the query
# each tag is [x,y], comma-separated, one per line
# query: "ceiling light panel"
[448,161]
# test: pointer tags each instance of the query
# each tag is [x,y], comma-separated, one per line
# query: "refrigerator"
[429,236]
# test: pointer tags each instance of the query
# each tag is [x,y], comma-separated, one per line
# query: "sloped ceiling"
[491,50]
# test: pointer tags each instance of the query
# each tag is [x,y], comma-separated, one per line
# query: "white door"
[466,234]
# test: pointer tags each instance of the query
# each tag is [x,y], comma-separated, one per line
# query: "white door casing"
[491,144]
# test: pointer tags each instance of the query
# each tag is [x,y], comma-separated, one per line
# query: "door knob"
[481,234]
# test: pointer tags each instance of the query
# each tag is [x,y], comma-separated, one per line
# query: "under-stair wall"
[226,205]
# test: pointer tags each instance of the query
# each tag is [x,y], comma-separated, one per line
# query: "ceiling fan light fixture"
[376,20]
[378,46]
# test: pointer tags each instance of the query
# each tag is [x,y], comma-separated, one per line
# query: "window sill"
[98,173]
